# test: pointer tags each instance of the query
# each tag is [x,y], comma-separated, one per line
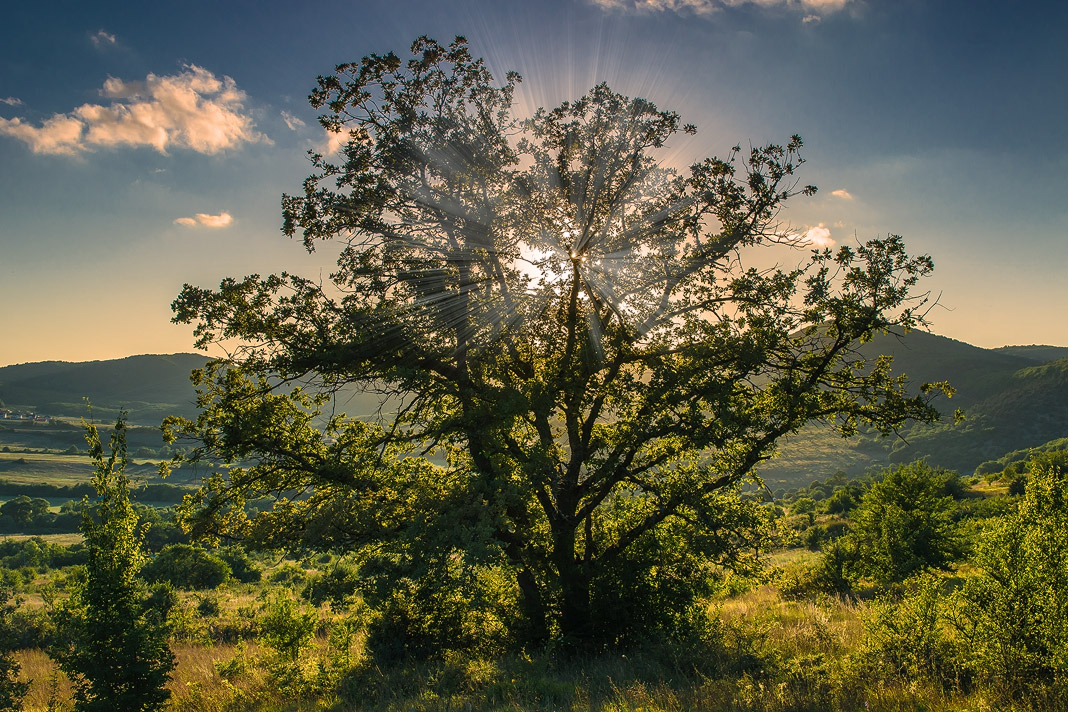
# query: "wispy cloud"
[292,122]
[696,7]
[814,9]
[11,101]
[842,193]
[103,39]
[192,110]
[214,221]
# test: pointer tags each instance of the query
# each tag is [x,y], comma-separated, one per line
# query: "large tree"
[576,362]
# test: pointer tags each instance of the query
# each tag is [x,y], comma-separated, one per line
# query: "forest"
[585,364]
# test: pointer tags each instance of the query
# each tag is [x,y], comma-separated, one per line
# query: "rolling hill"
[150,387]
[1014,397]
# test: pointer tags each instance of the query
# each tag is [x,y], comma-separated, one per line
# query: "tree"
[12,691]
[24,510]
[112,643]
[187,566]
[903,525]
[576,365]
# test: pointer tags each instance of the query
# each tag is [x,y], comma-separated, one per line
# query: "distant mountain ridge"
[1014,397]
[150,386]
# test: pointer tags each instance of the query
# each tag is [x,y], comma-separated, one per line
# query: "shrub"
[334,586]
[903,525]
[906,633]
[1014,613]
[187,566]
[242,567]
[290,575]
[11,690]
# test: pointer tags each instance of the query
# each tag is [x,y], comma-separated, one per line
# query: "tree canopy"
[577,366]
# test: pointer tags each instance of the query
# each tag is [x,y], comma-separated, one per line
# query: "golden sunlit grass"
[59,539]
[775,655]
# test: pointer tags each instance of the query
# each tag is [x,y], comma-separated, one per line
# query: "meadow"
[825,623]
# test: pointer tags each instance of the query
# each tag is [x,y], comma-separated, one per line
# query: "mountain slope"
[1014,398]
[149,386]
[1011,401]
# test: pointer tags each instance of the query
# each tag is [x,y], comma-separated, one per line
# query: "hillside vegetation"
[1014,398]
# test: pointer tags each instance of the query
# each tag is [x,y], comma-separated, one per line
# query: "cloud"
[292,122]
[818,237]
[696,7]
[213,221]
[333,141]
[192,110]
[103,39]
[11,101]
[842,193]
[814,9]
[808,19]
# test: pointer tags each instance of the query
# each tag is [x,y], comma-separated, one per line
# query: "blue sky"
[147,145]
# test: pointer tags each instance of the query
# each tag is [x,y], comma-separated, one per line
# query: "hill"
[1013,397]
[150,387]
[1036,353]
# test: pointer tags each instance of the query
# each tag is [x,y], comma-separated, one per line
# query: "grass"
[60,539]
[766,653]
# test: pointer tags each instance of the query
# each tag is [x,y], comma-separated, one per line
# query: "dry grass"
[60,539]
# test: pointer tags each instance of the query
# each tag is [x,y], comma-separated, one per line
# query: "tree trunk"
[536,625]
[576,624]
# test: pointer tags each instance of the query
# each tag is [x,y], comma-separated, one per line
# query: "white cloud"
[103,39]
[58,135]
[333,141]
[292,122]
[192,110]
[842,193]
[214,221]
[11,101]
[814,9]
[819,237]
[808,19]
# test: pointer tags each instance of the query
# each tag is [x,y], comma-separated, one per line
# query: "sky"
[147,145]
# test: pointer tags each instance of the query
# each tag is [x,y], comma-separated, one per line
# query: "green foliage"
[187,566]
[287,629]
[24,511]
[907,634]
[11,690]
[1015,611]
[39,554]
[110,641]
[242,567]
[576,367]
[903,525]
[335,586]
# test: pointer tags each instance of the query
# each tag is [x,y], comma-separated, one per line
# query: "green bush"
[1014,613]
[187,566]
[906,633]
[290,575]
[903,524]
[11,690]
[242,567]
[334,586]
